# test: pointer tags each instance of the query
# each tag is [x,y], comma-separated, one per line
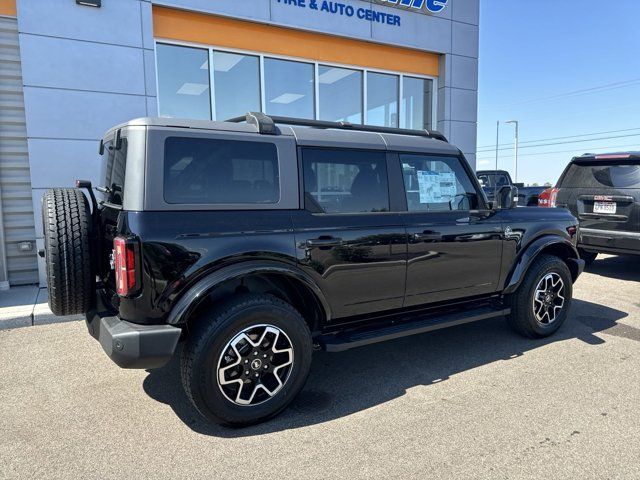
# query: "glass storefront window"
[289,88]
[183,82]
[417,103]
[236,84]
[340,94]
[242,82]
[382,99]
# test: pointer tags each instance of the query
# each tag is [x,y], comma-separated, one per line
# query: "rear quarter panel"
[181,247]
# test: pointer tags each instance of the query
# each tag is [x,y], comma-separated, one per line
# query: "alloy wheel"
[255,365]
[548,298]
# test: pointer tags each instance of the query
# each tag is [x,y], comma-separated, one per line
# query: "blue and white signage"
[368,13]
[428,6]
[345,10]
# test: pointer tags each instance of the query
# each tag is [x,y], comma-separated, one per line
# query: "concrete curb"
[27,306]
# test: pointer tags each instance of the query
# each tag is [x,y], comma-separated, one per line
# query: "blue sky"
[561,68]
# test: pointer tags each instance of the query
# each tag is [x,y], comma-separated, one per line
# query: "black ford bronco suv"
[256,240]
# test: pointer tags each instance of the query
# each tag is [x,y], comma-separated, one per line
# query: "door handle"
[324,242]
[427,236]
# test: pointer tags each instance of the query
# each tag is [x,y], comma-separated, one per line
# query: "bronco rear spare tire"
[66,221]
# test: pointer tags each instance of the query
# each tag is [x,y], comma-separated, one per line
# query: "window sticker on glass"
[429,186]
[448,184]
[436,187]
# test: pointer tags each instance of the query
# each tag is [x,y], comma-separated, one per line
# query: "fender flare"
[531,252]
[192,297]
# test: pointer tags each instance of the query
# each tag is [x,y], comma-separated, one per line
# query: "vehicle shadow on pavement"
[342,384]
[623,267]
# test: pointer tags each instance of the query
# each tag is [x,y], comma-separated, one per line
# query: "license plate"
[604,207]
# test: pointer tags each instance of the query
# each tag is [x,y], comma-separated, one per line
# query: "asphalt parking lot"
[475,401]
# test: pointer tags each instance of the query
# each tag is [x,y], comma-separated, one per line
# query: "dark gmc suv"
[254,242]
[603,192]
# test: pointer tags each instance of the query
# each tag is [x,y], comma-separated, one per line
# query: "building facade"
[70,69]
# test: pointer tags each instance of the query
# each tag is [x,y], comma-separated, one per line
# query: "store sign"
[368,14]
[345,10]
[427,6]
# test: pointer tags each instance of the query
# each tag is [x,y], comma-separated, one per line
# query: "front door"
[454,242]
[346,236]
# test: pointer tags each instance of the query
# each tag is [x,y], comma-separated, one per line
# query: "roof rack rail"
[267,125]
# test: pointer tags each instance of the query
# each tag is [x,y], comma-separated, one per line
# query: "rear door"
[605,196]
[347,236]
[454,242]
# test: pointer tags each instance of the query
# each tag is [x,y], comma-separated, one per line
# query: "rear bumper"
[131,345]
[612,241]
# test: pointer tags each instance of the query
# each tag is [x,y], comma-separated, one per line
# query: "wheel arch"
[284,281]
[547,244]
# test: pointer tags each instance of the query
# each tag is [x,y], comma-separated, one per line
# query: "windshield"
[493,179]
[612,175]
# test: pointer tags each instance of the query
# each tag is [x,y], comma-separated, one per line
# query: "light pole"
[515,122]
[495,184]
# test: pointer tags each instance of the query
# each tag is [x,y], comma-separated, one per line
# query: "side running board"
[367,336]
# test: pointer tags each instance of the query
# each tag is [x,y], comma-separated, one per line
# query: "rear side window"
[435,184]
[602,175]
[345,181]
[212,171]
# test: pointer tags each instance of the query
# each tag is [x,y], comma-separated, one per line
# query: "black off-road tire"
[210,335]
[587,256]
[66,219]
[522,318]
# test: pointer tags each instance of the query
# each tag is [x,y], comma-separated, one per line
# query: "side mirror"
[506,197]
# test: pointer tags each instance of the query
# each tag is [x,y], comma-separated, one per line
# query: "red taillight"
[548,198]
[124,256]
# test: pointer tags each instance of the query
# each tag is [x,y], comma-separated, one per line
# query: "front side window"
[493,179]
[345,181]
[435,184]
[289,88]
[208,171]
[183,82]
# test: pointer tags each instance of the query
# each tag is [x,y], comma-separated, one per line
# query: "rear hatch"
[113,172]
[603,192]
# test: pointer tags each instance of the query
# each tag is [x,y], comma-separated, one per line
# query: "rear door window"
[602,175]
[211,171]
[345,181]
